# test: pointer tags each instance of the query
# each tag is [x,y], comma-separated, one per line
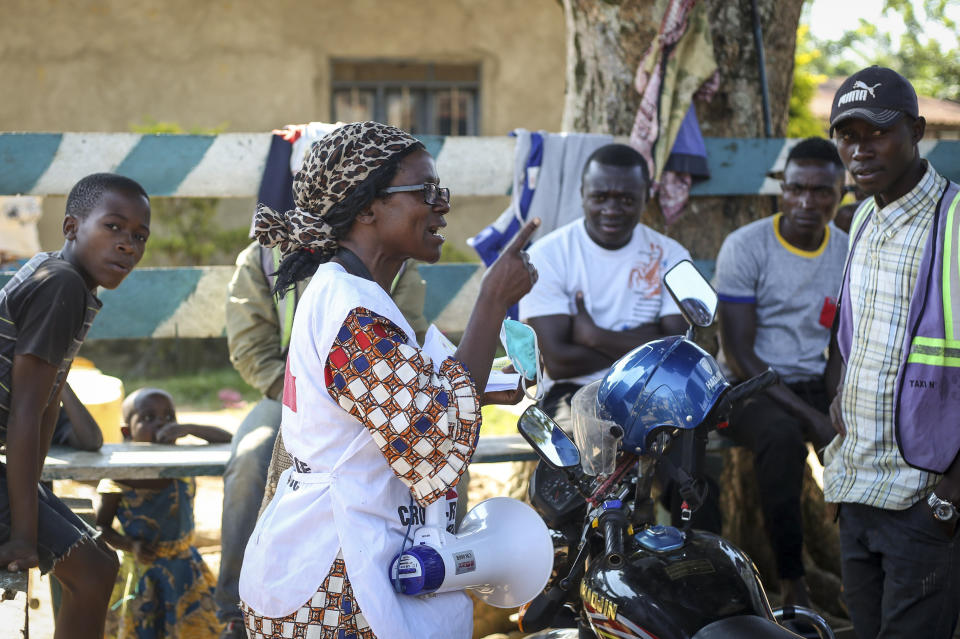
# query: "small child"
[165,588]
[45,312]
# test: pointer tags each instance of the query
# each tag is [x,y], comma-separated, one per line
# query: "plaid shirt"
[866,467]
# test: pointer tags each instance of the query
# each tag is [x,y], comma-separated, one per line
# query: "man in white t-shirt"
[599,294]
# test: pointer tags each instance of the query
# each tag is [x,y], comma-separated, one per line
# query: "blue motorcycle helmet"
[669,383]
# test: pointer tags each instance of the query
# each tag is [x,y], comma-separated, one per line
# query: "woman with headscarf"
[376,431]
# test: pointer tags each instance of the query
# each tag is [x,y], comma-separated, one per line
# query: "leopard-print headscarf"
[334,167]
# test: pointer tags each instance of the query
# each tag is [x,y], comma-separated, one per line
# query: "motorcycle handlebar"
[613,542]
[538,614]
[613,525]
[753,385]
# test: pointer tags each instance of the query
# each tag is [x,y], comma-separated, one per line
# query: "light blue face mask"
[520,342]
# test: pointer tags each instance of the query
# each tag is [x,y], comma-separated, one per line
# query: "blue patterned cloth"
[173,595]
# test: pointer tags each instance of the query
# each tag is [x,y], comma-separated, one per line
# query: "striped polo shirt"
[9,332]
[866,467]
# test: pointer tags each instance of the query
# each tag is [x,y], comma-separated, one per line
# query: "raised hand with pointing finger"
[512,275]
[508,279]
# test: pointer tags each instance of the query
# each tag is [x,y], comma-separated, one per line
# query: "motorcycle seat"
[745,626]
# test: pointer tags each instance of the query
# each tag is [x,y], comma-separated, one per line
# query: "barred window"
[422,98]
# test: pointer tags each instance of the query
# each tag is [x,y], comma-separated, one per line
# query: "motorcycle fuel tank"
[671,594]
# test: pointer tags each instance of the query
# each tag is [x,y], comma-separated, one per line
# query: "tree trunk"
[743,525]
[606,40]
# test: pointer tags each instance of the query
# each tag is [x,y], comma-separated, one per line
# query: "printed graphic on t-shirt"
[645,275]
[299,466]
[645,287]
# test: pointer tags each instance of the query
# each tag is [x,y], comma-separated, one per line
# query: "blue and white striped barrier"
[225,165]
[231,164]
[191,301]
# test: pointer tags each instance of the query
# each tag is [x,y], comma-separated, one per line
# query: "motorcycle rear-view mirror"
[692,293]
[548,439]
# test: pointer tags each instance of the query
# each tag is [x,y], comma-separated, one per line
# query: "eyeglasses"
[818,192]
[432,193]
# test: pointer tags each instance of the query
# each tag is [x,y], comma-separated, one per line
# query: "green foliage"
[449,253]
[802,122]
[186,233]
[197,391]
[498,421]
[933,70]
[149,125]
[185,230]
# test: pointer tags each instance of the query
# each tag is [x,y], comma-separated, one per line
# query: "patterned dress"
[382,385]
[172,596]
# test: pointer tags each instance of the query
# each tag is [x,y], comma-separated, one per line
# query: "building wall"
[246,65]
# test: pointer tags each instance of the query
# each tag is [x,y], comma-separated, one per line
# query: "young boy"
[45,313]
[150,416]
[165,589]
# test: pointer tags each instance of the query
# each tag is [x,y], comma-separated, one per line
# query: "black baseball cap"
[876,94]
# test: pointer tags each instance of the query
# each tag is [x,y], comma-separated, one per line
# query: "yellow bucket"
[101,394]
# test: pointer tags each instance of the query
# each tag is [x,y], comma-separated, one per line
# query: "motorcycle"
[617,573]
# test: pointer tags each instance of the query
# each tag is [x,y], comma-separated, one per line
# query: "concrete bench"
[12,583]
[137,460]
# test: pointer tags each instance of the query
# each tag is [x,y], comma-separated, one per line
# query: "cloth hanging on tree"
[677,67]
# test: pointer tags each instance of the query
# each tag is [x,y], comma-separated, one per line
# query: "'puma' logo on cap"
[860,84]
[860,92]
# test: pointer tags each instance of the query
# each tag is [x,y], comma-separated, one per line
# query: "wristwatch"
[942,509]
